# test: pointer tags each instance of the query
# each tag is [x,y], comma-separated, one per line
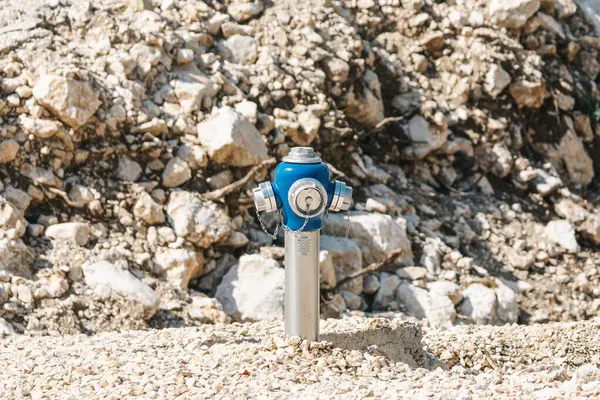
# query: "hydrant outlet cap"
[264,198]
[302,155]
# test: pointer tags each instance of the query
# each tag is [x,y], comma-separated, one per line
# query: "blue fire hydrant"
[300,193]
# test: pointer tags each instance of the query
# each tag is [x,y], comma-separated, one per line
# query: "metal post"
[302,284]
[302,192]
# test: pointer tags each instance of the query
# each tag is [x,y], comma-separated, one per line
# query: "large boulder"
[479,304]
[253,289]
[192,87]
[512,13]
[42,128]
[201,222]
[178,266]
[43,176]
[445,288]
[371,284]
[508,307]
[562,233]
[239,49]
[590,228]
[426,136]
[72,101]
[74,232]
[12,220]
[207,310]
[375,234]
[15,257]
[418,302]
[103,274]
[327,275]
[6,328]
[232,140]
[346,258]
[194,156]
[17,198]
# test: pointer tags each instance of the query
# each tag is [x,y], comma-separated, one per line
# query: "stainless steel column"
[302,284]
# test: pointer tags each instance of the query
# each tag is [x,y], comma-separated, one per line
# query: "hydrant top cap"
[302,155]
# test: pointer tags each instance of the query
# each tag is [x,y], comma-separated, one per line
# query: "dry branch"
[388,120]
[232,187]
[374,267]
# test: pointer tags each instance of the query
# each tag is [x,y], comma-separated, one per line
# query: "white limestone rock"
[253,289]
[231,140]
[72,101]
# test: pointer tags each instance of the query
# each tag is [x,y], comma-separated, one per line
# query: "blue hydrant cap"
[302,155]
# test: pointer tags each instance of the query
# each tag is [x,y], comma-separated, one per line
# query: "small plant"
[596,111]
[591,106]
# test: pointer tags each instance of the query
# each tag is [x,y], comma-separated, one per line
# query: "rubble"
[467,129]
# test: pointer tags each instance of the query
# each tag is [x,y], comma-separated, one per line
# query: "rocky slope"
[469,130]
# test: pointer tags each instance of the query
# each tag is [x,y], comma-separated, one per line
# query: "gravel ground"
[240,361]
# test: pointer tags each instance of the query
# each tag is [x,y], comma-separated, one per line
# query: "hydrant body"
[301,192]
[286,175]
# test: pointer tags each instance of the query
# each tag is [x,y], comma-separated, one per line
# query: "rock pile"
[469,131]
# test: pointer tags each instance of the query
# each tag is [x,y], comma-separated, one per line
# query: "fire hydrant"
[301,193]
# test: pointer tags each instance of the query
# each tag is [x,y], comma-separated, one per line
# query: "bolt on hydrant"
[300,193]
